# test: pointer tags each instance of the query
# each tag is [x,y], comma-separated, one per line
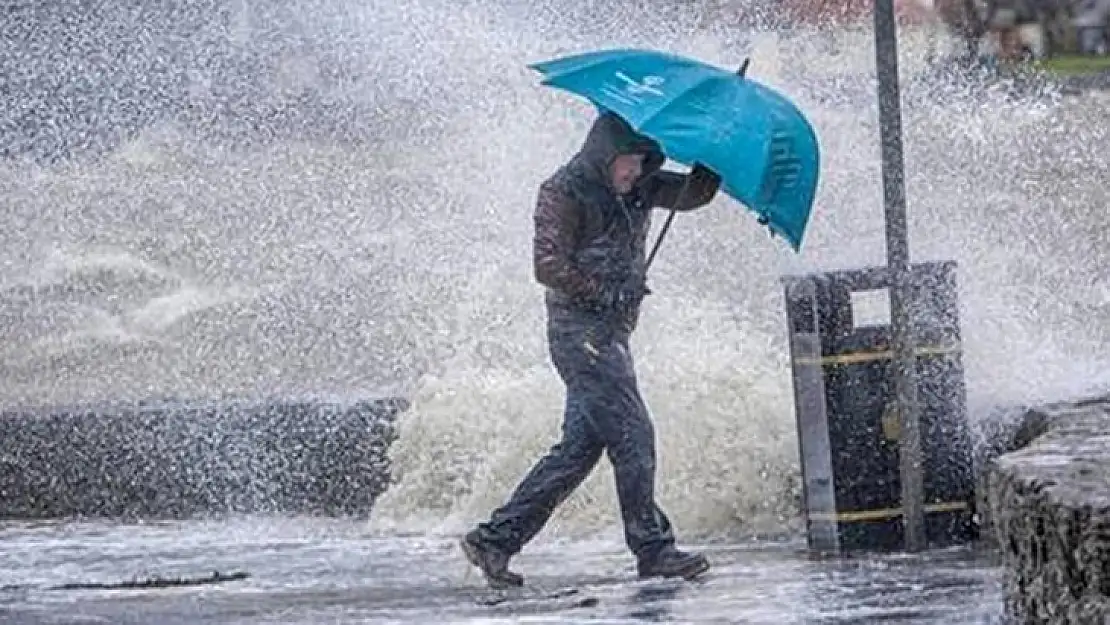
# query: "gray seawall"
[1048,506]
[186,459]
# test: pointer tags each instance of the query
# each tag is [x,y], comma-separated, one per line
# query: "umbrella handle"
[667,224]
[662,233]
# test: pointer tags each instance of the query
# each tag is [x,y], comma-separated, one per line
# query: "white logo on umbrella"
[649,84]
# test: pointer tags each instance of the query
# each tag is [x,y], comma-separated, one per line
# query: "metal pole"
[898,262]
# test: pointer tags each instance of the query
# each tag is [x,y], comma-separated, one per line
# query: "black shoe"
[493,563]
[672,563]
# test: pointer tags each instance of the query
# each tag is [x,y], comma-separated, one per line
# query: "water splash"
[357,217]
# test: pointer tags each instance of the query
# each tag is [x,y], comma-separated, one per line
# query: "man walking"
[592,219]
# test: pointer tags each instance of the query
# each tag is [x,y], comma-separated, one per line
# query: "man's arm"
[666,186]
[556,229]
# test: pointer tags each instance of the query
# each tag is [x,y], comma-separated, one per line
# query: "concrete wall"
[1049,514]
[180,459]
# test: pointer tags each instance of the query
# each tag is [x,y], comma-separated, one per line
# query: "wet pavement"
[328,571]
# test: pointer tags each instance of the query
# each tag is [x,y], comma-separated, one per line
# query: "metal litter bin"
[848,424]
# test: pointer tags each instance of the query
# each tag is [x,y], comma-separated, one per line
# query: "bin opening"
[870,309]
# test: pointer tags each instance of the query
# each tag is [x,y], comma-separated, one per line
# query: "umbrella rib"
[701,81]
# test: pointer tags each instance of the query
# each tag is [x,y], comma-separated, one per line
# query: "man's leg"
[624,424]
[547,484]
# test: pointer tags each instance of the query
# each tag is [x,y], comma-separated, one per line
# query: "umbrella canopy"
[760,144]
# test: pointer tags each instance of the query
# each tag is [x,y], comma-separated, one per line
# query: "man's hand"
[683,192]
[702,175]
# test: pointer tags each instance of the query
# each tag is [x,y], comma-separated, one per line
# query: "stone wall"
[184,459]
[1049,512]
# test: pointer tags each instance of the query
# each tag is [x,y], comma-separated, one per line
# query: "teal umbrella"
[760,144]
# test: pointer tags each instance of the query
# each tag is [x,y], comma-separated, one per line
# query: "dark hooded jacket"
[587,236]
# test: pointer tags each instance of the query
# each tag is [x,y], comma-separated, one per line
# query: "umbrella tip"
[744,67]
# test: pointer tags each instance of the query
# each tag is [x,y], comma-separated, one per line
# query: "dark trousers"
[604,413]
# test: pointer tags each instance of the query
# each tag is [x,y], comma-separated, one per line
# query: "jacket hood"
[611,136]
